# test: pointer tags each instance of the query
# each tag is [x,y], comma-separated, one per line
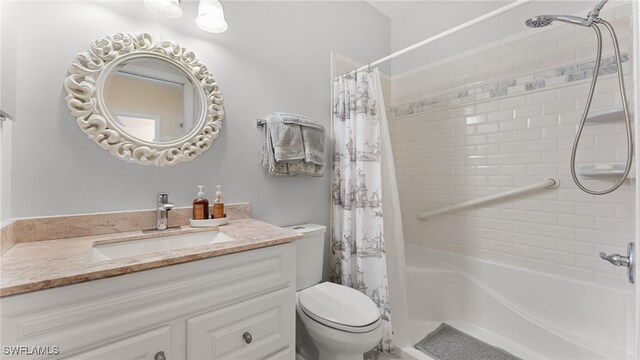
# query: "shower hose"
[588,105]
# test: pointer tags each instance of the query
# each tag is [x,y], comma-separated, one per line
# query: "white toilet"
[342,322]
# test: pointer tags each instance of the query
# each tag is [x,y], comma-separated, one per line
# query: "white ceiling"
[392,8]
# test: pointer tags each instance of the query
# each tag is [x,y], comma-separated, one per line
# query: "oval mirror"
[152,100]
[145,101]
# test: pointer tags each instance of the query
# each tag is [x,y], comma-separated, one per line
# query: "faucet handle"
[163,197]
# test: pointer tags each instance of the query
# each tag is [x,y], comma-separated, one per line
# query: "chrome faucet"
[162,211]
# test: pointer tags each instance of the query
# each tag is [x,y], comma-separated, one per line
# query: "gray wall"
[7,102]
[8,57]
[430,18]
[274,57]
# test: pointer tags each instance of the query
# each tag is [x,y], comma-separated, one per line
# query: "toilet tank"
[309,254]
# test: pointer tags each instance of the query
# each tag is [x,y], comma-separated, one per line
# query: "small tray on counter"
[209,222]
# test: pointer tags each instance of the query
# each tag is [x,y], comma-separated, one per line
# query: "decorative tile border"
[538,80]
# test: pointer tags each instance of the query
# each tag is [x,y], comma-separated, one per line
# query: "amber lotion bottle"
[200,206]
[218,204]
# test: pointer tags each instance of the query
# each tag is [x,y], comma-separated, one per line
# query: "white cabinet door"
[253,329]
[150,345]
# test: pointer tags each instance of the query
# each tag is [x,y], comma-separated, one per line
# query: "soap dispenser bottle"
[218,204]
[200,206]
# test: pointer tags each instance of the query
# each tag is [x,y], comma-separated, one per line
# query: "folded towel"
[313,140]
[300,167]
[268,160]
[286,153]
[299,119]
[286,139]
[312,135]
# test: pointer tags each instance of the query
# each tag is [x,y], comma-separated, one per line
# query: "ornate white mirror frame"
[85,99]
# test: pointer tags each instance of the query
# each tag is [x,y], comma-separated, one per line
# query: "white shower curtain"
[358,256]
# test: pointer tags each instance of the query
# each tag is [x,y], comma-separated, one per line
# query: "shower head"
[539,21]
[544,20]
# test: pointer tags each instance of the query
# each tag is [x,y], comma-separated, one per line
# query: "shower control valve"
[628,261]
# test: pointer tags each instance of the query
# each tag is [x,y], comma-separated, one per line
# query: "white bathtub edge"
[589,344]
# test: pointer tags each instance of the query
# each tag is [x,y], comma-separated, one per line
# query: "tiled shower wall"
[504,116]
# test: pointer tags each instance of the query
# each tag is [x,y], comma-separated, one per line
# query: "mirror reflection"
[152,100]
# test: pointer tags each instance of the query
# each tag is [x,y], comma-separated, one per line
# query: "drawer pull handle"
[160,356]
[247,337]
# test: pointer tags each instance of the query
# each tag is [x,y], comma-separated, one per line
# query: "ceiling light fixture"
[167,8]
[211,16]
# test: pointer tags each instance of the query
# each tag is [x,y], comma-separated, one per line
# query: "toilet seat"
[339,307]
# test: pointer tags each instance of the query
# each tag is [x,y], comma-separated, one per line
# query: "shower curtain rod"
[444,33]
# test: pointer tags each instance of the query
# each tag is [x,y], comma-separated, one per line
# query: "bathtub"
[531,314]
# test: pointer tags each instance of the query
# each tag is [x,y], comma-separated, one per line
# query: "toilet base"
[333,344]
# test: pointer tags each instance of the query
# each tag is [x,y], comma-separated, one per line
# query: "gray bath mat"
[449,343]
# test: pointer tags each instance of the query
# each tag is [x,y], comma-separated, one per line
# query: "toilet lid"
[334,304]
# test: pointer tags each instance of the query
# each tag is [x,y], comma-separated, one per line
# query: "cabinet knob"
[159,356]
[247,337]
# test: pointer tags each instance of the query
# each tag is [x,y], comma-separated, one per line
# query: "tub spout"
[628,261]
[615,259]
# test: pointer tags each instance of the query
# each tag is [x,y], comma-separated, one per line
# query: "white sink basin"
[157,244]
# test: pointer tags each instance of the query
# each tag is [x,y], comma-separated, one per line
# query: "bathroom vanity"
[229,300]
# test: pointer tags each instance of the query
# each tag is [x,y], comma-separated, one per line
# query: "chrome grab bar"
[550,183]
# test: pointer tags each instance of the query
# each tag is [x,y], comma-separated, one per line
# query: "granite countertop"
[38,265]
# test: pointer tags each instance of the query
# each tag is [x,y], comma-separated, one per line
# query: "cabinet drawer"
[269,320]
[142,346]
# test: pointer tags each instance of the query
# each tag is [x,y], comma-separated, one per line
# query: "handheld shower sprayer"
[544,20]
[592,20]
